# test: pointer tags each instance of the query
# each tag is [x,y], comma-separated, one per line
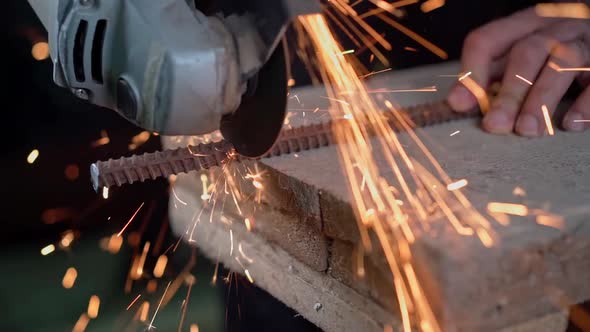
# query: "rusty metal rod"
[116,172]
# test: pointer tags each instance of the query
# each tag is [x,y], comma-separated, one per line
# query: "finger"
[485,44]
[549,88]
[460,92]
[526,60]
[578,116]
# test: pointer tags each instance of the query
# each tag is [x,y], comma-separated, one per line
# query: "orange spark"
[241,251]
[556,67]
[81,324]
[67,239]
[139,139]
[130,220]
[231,242]
[502,218]
[101,141]
[142,258]
[47,250]
[93,307]
[427,89]
[144,311]
[214,278]
[205,196]
[40,51]
[375,203]
[479,93]
[396,5]
[431,5]
[133,302]
[194,328]
[69,278]
[464,76]
[567,10]
[291,83]
[176,196]
[336,100]
[547,118]
[524,80]
[33,156]
[574,69]
[249,276]
[457,185]
[160,266]
[551,220]
[384,5]
[114,244]
[508,208]
[484,237]
[158,307]
[518,191]
[376,72]
[248,224]
[386,45]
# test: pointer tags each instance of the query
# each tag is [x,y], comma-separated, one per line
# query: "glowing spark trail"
[151,326]
[508,208]
[464,76]
[457,185]
[524,80]
[371,193]
[130,220]
[133,302]
[375,73]
[249,276]
[547,118]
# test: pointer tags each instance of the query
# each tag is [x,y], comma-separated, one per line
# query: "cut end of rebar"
[95,177]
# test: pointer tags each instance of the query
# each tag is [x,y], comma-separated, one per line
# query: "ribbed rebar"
[116,172]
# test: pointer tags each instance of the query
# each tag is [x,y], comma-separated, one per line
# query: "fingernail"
[572,121]
[528,125]
[497,122]
[461,99]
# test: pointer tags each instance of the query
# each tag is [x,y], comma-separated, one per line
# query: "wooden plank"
[317,296]
[472,288]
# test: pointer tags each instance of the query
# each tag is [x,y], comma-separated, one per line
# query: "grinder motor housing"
[178,67]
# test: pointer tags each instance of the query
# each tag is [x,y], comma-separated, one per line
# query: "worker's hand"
[524,47]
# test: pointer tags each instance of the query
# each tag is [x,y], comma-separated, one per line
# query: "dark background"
[39,115]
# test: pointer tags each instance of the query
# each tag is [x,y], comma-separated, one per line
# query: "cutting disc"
[255,126]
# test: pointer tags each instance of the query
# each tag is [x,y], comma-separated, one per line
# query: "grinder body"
[177,67]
